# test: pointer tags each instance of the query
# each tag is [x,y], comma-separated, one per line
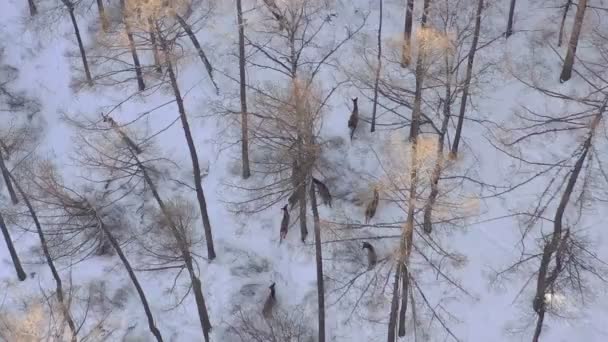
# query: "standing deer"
[284,223]
[270,302]
[370,211]
[354,118]
[372,258]
[323,191]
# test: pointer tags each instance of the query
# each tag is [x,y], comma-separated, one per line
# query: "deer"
[354,118]
[284,223]
[323,191]
[370,211]
[372,258]
[270,302]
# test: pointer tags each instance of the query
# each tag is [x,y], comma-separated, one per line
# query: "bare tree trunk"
[33,9]
[11,249]
[415,124]
[509,31]
[378,68]
[83,55]
[405,279]
[302,204]
[243,92]
[65,310]
[406,53]
[123,258]
[193,154]
[561,26]
[576,32]
[543,280]
[407,237]
[186,255]
[140,77]
[157,61]
[467,81]
[105,24]
[436,174]
[199,49]
[7,180]
[319,261]
[392,318]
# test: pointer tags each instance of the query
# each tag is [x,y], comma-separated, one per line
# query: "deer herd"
[325,196]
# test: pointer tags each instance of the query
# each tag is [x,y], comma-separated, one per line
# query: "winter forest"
[303,170]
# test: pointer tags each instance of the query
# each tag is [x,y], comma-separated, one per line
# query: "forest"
[303,170]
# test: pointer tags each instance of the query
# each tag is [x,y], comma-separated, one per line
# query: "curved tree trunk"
[319,262]
[193,154]
[546,279]
[243,93]
[576,32]
[11,249]
[467,81]
[65,310]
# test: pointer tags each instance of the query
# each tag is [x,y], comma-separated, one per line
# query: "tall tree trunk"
[319,261]
[561,26]
[436,174]
[193,154]
[407,239]
[467,81]
[33,9]
[7,180]
[123,258]
[83,54]
[65,310]
[11,249]
[157,61]
[405,279]
[243,92]
[199,49]
[406,52]
[105,23]
[184,249]
[544,280]
[576,32]
[378,68]
[392,317]
[509,31]
[140,77]
[302,205]
[415,124]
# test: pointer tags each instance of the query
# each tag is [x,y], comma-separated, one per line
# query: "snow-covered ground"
[249,256]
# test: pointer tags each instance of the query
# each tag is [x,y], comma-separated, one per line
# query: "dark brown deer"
[284,223]
[323,191]
[354,118]
[372,258]
[370,211]
[270,303]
